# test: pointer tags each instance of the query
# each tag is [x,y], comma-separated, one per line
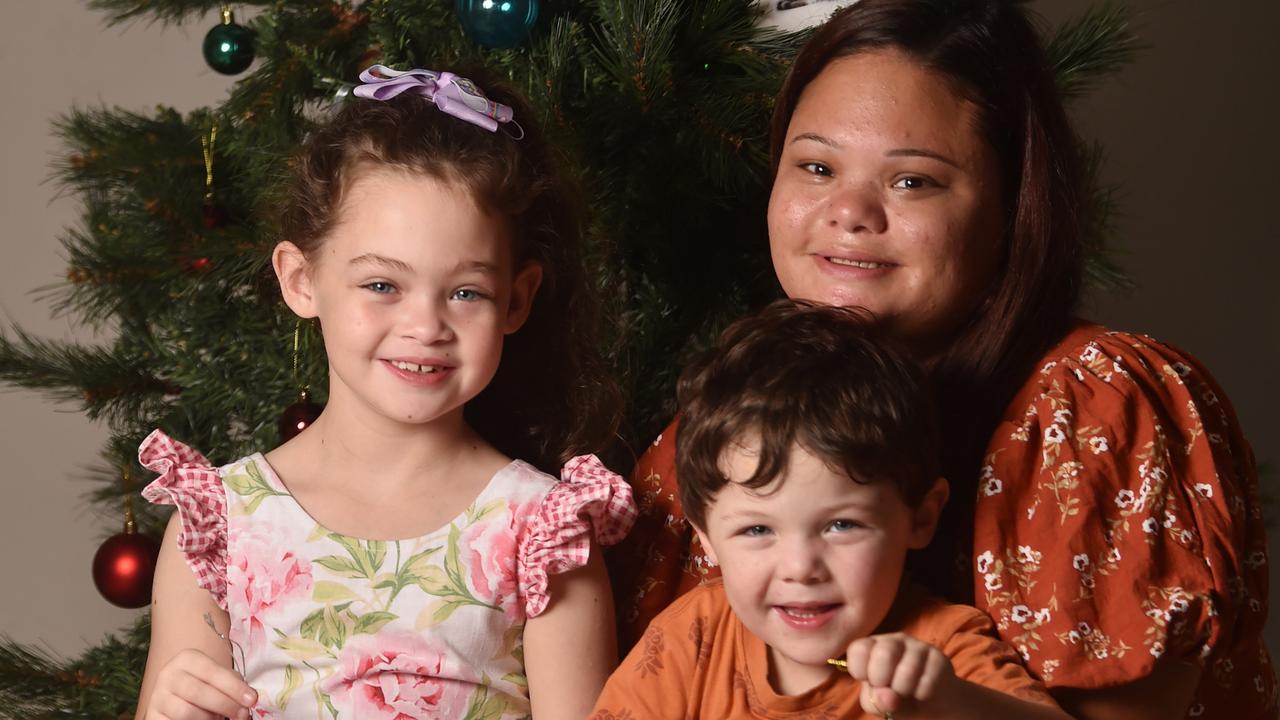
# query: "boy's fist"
[895,667]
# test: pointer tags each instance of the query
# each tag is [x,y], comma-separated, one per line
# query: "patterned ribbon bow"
[455,95]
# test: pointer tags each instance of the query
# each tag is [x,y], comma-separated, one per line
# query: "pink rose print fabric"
[326,625]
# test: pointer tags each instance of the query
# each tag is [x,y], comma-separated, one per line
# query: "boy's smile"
[811,562]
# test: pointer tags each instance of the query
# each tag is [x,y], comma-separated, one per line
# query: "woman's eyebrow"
[921,152]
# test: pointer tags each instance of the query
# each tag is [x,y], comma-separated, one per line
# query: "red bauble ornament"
[298,416]
[200,264]
[213,215]
[123,568]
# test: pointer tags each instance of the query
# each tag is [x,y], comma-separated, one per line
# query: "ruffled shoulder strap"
[590,502]
[192,485]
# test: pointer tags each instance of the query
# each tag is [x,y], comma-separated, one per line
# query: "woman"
[1105,509]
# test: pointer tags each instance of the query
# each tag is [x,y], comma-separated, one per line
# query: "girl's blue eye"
[379,287]
[815,168]
[756,531]
[467,295]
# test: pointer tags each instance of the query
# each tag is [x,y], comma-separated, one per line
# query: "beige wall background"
[1190,131]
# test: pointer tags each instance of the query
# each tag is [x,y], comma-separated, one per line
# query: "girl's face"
[887,197]
[415,288]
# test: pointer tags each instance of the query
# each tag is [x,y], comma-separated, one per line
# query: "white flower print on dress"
[1150,526]
[1043,616]
[1027,555]
[992,581]
[1124,499]
[1205,489]
[1098,444]
[1090,354]
[1157,649]
[1080,562]
[1020,613]
[984,562]
[1053,435]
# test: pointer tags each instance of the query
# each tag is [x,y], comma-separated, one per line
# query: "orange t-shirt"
[1117,521]
[697,660]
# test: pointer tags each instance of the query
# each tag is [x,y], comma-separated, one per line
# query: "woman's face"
[888,197]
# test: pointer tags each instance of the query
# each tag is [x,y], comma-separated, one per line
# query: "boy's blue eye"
[845,525]
[756,531]
[380,287]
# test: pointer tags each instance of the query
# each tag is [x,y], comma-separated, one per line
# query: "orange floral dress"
[1117,520]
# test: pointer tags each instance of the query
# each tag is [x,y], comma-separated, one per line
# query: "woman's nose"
[857,207]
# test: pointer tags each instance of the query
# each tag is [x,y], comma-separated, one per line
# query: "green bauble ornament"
[497,24]
[228,48]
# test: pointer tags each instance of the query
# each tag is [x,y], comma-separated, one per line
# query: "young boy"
[807,462]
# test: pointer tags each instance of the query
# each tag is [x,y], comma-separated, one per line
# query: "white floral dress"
[324,625]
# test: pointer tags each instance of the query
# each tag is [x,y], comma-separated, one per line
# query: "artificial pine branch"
[1097,44]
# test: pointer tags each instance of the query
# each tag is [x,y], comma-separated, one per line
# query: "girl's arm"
[570,649]
[189,672]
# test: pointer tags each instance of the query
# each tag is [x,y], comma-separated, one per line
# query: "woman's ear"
[924,519]
[294,273]
[524,288]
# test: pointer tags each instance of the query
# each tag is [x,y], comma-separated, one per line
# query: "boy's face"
[813,562]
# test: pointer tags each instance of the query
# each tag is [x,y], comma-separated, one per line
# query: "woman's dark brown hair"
[800,372]
[551,397]
[991,55]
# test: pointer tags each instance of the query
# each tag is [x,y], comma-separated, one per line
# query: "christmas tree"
[660,106]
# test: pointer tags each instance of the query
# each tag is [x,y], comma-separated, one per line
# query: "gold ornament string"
[206,147]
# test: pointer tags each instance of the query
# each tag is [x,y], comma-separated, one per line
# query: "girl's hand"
[192,686]
[894,668]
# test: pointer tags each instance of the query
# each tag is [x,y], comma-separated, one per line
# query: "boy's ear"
[293,272]
[524,288]
[924,519]
[706,544]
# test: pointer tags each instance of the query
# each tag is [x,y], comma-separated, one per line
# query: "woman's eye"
[468,294]
[816,168]
[380,287]
[911,182]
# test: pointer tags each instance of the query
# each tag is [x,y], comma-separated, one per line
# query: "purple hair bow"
[455,95]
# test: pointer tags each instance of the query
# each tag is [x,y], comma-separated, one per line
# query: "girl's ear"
[293,272]
[924,519]
[524,288]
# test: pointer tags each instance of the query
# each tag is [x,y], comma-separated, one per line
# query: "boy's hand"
[192,686]
[896,667]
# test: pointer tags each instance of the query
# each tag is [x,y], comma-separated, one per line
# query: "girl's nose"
[426,321]
[857,207]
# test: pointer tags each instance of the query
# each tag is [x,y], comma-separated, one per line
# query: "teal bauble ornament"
[497,24]
[228,48]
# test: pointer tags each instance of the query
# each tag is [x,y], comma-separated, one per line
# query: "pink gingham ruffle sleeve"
[192,485]
[590,501]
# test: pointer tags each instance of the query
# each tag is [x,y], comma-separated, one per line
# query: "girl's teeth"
[414,367]
[858,263]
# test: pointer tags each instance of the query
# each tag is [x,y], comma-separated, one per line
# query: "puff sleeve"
[1118,521]
[189,483]
[589,503]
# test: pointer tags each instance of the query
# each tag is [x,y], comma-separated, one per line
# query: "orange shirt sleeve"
[660,559]
[1117,518]
[968,638]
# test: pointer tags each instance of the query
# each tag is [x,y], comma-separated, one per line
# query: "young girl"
[393,561]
